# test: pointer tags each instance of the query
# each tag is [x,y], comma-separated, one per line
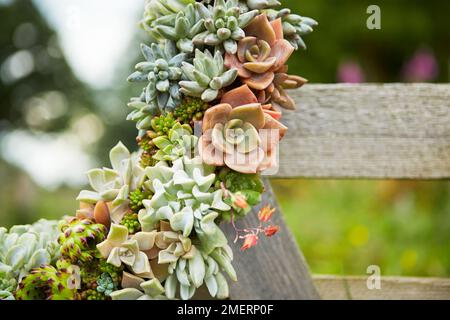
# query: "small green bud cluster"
[136,198]
[190,110]
[131,221]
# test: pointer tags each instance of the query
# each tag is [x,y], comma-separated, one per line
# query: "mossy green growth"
[148,149]
[114,272]
[162,124]
[190,110]
[147,160]
[131,221]
[145,142]
[236,181]
[248,186]
[92,294]
[136,198]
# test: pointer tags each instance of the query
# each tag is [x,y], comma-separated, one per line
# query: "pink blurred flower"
[350,72]
[421,67]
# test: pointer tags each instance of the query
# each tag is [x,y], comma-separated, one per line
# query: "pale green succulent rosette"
[120,249]
[224,23]
[166,9]
[182,195]
[186,275]
[23,248]
[162,71]
[207,76]
[178,143]
[180,28]
[113,185]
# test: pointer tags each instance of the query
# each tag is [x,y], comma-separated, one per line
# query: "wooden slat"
[275,269]
[392,288]
[368,131]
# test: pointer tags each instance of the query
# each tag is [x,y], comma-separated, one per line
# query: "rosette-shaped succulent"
[224,23]
[294,26]
[190,273]
[119,249]
[166,9]
[162,72]
[239,134]
[178,143]
[260,61]
[105,284]
[180,28]
[47,283]
[182,196]
[23,248]
[186,266]
[207,76]
[112,186]
[78,239]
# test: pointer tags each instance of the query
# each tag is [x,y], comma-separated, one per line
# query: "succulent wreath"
[215,84]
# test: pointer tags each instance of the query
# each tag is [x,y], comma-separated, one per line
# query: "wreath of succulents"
[149,226]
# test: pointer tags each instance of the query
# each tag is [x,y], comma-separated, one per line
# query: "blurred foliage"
[38,89]
[406,26]
[341,226]
[22,201]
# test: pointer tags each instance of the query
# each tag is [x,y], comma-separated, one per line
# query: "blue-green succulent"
[224,23]
[161,70]
[181,27]
[207,76]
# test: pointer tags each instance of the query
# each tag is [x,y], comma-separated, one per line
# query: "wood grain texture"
[275,269]
[392,288]
[368,131]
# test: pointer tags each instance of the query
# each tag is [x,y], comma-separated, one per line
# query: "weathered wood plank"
[392,288]
[275,269]
[368,131]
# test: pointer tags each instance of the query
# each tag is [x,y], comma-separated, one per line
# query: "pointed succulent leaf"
[197,269]
[183,221]
[126,294]
[152,287]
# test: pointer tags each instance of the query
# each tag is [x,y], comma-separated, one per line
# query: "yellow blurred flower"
[358,235]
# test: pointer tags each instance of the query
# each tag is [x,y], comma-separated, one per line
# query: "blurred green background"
[63,95]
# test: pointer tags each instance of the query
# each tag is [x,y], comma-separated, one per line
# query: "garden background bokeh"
[63,66]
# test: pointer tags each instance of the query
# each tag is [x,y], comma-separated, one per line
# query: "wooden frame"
[376,131]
